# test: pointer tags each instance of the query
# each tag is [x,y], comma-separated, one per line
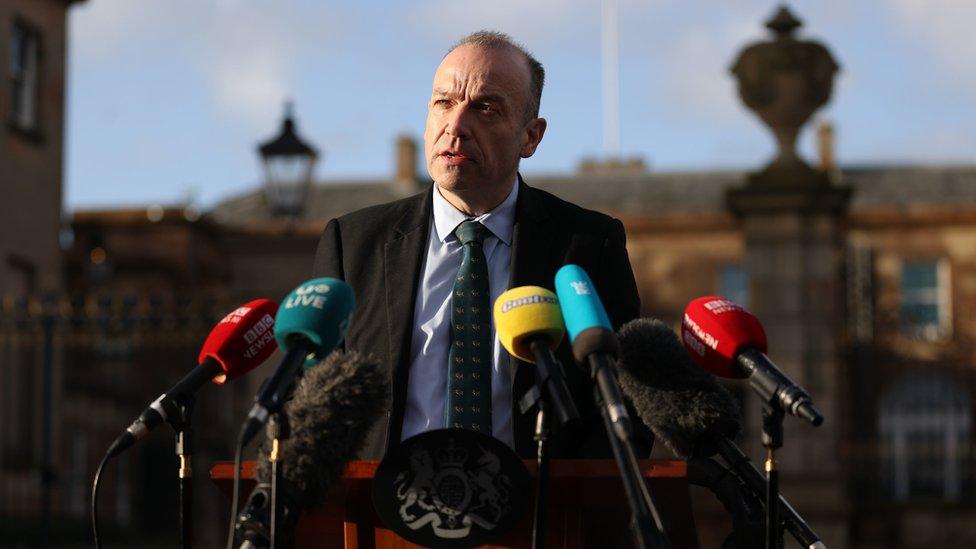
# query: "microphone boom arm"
[549,375]
[276,389]
[751,476]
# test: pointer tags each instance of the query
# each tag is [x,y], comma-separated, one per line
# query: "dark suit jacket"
[379,251]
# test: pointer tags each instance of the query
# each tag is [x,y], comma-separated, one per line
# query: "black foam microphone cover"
[333,409]
[682,404]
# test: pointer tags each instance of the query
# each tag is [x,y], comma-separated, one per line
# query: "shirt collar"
[500,221]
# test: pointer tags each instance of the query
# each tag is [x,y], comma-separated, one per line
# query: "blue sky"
[167,100]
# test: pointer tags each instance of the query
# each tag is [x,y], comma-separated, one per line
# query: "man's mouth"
[455,158]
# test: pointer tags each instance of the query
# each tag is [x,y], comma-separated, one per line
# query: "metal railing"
[74,372]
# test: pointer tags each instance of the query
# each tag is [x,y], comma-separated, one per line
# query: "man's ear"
[534,131]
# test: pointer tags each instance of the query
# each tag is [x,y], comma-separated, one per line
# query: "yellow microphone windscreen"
[524,312]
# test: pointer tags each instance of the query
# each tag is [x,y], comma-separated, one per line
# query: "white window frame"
[941,295]
[952,424]
[24,75]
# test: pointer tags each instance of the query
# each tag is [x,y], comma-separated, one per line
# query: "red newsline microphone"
[728,341]
[236,345]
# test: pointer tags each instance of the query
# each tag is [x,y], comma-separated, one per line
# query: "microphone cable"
[235,497]
[94,498]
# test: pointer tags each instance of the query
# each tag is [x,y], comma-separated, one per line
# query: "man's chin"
[453,180]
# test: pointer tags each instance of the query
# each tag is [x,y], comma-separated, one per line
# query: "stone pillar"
[790,214]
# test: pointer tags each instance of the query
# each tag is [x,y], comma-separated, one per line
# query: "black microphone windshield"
[334,407]
[682,404]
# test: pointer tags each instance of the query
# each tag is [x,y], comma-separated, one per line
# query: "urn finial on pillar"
[784,81]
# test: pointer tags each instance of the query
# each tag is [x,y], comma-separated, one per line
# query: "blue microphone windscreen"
[319,310]
[579,301]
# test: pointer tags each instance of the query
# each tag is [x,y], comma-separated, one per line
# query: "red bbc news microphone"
[236,345]
[728,341]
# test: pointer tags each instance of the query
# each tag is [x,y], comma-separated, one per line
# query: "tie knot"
[471,231]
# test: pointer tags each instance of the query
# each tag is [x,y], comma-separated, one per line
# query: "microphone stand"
[184,450]
[280,431]
[772,439]
[533,397]
[753,479]
[645,522]
[549,385]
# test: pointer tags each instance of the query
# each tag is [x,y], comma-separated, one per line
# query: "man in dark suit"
[403,258]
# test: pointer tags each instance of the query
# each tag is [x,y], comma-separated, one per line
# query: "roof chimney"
[825,145]
[405,179]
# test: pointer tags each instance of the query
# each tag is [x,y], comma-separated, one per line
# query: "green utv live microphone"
[311,322]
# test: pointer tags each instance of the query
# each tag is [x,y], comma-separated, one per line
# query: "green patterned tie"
[469,361]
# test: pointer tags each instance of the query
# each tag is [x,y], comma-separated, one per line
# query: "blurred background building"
[864,277]
[32,46]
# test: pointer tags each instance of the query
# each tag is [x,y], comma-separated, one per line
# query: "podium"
[587,507]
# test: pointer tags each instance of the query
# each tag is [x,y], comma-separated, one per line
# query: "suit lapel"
[532,240]
[402,258]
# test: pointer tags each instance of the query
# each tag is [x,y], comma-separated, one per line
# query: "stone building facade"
[32,50]
[32,45]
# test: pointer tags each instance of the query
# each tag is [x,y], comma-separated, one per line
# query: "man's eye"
[441,102]
[485,108]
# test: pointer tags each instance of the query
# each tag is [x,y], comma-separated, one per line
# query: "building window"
[733,284]
[925,424]
[25,46]
[925,299]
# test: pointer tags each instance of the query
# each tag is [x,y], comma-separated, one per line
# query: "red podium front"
[587,508]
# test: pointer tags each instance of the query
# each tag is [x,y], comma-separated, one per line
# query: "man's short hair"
[495,40]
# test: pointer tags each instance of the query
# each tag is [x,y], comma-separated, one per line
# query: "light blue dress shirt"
[430,341]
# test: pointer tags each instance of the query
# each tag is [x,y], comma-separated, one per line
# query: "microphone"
[529,325]
[594,343]
[236,345]
[728,341]
[311,322]
[682,405]
[688,410]
[334,407]
[593,340]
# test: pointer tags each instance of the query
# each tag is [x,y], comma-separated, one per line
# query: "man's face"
[477,127]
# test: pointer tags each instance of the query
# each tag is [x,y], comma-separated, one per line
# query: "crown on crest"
[451,456]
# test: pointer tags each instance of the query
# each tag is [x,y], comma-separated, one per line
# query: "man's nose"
[458,123]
